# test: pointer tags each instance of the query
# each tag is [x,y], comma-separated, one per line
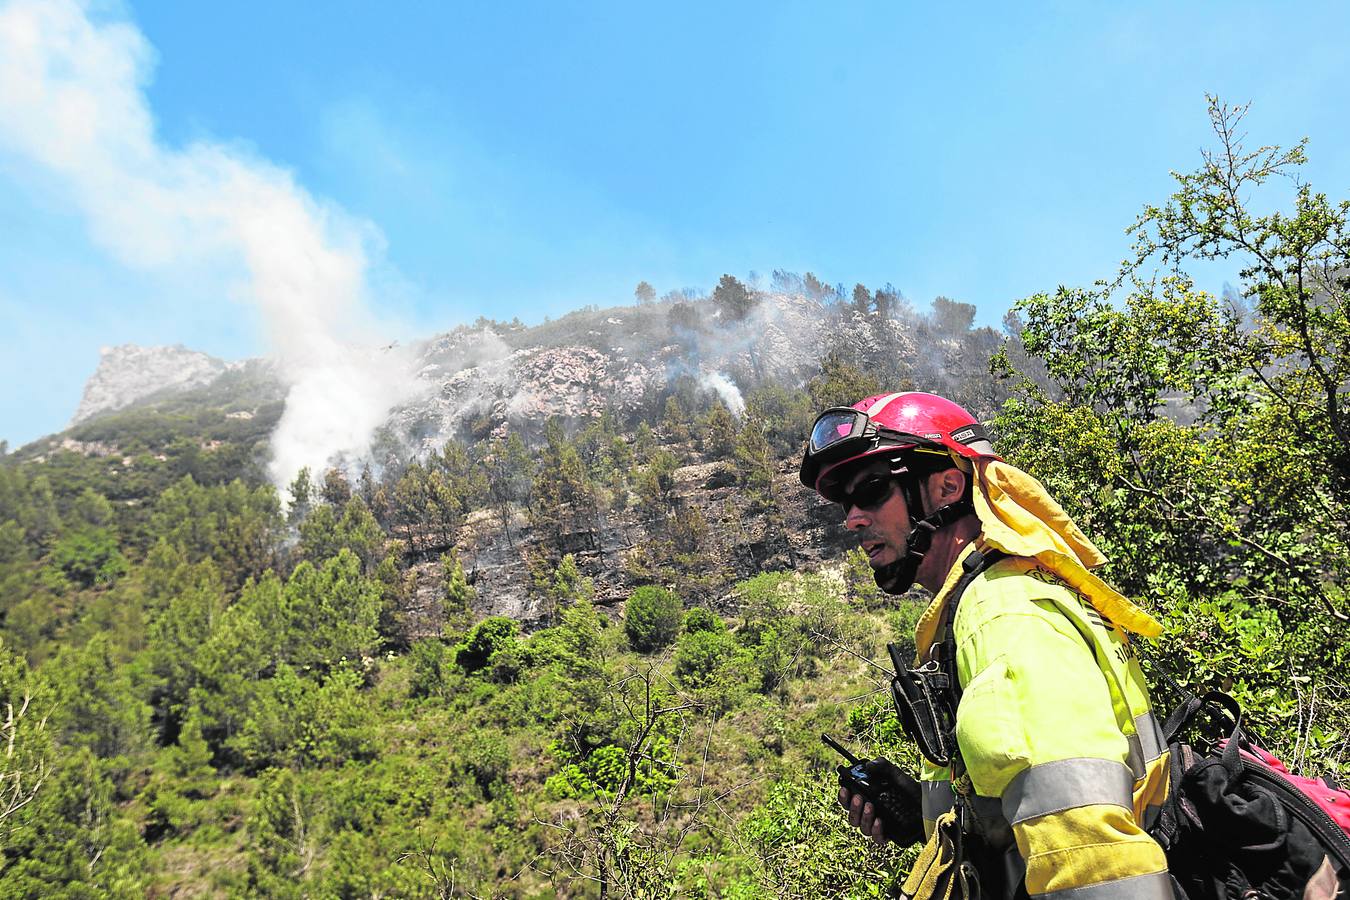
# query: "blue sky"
[522,159]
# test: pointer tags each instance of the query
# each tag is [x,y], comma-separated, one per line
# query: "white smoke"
[72,105]
[730,394]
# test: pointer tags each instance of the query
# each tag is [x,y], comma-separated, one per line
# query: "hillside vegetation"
[207,692]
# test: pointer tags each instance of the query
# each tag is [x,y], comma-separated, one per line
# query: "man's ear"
[947,486]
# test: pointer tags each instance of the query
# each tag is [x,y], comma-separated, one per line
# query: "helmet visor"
[837,425]
[844,433]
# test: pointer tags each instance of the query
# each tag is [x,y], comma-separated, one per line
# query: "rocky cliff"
[129,374]
[498,547]
[490,378]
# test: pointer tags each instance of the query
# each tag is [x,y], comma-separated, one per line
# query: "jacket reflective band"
[936,798]
[1157,886]
[1067,784]
[1146,744]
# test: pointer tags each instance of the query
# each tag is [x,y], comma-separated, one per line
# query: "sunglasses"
[867,494]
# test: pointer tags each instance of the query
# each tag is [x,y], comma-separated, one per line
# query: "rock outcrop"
[127,374]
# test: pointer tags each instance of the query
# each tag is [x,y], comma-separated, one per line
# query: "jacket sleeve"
[1036,728]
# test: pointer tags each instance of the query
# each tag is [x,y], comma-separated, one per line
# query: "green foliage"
[757,466]
[70,841]
[87,558]
[1296,355]
[569,585]
[705,658]
[29,752]
[37,513]
[1193,439]
[210,700]
[487,761]
[302,493]
[1167,340]
[862,586]
[565,497]
[841,384]
[509,468]
[326,531]
[431,662]
[490,636]
[651,617]
[426,510]
[182,785]
[781,418]
[235,525]
[282,834]
[91,510]
[97,704]
[319,621]
[700,619]
[459,594]
[804,848]
[13,543]
[715,432]
[675,421]
[862,298]
[298,721]
[335,490]
[733,299]
[605,770]
[327,614]
[789,623]
[196,602]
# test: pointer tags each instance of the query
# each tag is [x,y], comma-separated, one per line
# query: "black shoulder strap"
[926,696]
[975,564]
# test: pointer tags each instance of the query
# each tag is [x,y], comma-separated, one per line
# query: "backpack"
[1236,825]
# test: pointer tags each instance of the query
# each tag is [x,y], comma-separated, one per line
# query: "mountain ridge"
[489,378]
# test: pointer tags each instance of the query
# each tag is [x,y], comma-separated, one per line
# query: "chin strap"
[898,577]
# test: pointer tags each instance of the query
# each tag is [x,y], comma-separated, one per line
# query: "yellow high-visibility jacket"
[1057,736]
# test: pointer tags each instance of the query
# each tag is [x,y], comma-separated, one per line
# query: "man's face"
[876,513]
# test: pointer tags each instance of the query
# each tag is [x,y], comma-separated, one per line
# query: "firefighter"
[1058,760]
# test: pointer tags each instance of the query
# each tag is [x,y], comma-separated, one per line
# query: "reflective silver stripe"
[1155,886]
[1067,784]
[1146,744]
[936,798]
[880,404]
[1150,736]
[1136,759]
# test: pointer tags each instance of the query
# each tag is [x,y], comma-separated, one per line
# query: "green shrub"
[700,619]
[805,847]
[651,618]
[604,769]
[88,558]
[484,639]
[700,655]
[486,760]
[431,660]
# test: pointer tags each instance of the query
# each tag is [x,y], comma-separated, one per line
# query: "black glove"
[893,793]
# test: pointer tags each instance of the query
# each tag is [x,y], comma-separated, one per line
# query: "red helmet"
[891,425]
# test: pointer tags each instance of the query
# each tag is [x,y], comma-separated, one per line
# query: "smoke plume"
[730,394]
[73,108]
